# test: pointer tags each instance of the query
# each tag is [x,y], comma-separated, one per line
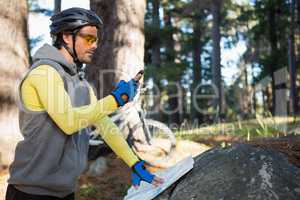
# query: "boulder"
[240,172]
[97,167]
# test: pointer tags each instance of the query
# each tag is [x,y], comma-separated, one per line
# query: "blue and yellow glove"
[125,91]
[140,173]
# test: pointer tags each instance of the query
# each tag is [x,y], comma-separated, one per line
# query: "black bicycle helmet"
[71,20]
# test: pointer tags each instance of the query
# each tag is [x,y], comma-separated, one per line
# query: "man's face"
[86,43]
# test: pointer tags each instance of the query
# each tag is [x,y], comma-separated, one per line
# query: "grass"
[88,192]
[244,130]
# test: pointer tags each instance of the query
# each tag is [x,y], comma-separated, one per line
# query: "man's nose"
[94,45]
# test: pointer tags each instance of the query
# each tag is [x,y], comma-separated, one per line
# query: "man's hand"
[140,173]
[125,91]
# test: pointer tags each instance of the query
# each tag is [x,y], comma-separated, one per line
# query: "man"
[57,108]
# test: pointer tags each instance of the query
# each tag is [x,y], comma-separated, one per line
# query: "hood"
[49,52]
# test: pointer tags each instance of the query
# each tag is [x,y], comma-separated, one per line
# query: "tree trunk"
[155,56]
[120,54]
[197,77]
[269,98]
[121,51]
[292,61]
[170,53]
[156,35]
[57,6]
[298,23]
[246,93]
[253,110]
[265,99]
[13,63]
[174,100]
[247,96]
[216,57]
[274,49]
[14,47]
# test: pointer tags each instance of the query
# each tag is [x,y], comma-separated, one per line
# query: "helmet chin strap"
[73,52]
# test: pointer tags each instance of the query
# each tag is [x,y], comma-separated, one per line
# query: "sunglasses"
[90,39]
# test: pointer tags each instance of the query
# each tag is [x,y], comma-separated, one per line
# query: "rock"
[288,145]
[240,172]
[97,167]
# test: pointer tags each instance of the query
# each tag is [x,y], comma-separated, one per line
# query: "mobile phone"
[139,75]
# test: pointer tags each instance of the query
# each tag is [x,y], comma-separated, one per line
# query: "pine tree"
[13,63]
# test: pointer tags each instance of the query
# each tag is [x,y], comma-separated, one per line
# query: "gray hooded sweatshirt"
[48,161]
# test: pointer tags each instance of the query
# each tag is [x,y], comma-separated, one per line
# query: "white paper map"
[147,191]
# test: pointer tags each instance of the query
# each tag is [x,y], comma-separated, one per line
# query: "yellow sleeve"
[115,140]
[43,89]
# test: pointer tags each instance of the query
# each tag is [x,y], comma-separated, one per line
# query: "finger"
[136,180]
[135,187]
[157,181]
[124,97]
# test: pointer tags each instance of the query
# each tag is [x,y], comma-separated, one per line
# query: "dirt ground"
[114,184]
[115,181]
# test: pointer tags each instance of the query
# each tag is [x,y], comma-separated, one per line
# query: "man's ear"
[67,38]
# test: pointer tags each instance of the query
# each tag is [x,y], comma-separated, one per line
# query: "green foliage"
[263,25]
[260,32]
[169,71]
